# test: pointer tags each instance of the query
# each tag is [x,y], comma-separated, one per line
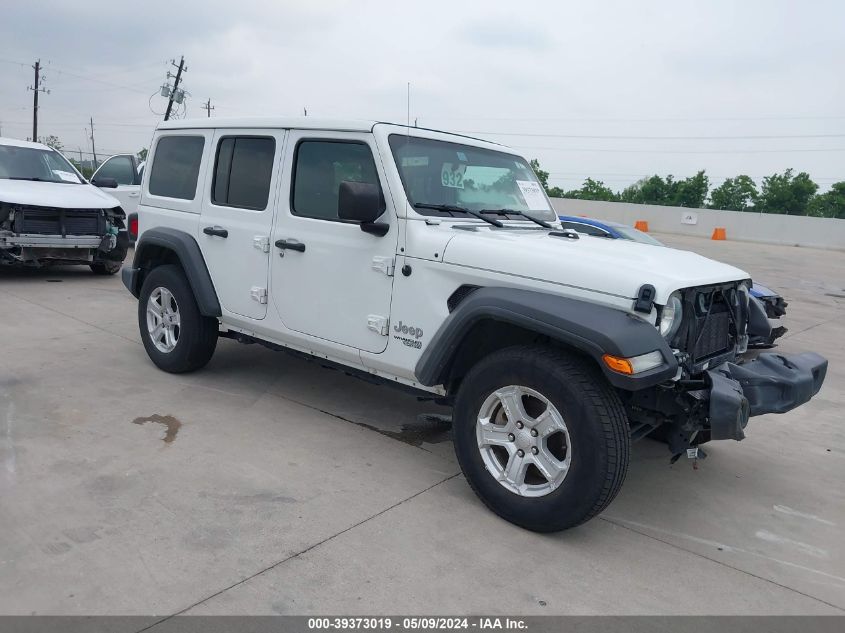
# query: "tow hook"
[694,453]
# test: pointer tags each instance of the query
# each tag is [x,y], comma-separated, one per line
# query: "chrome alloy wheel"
[163,320]
[523,441]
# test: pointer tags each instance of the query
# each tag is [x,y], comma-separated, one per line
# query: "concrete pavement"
[289,488]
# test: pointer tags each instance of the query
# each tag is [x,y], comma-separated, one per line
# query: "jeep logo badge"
[409,330]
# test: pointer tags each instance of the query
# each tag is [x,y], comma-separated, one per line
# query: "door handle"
[219,231]
[291,245]
[134,194]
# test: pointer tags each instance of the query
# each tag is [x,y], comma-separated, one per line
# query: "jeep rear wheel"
[176,336]
[541,437]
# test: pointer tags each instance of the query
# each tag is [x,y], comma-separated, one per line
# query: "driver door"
[330,279]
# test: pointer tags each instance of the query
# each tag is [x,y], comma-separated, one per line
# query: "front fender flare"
[188,252]
[588,327]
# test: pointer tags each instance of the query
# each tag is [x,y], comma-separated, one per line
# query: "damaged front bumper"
[771,383]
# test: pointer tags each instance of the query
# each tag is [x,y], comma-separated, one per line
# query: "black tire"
[106,267]
[596,423]
[197,335]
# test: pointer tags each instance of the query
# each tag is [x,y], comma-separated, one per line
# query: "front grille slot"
[50,221]
[714,335]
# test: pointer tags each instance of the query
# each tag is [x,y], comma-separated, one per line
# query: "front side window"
[452,174]
[120,168]
[28,163]
[176,167]
[242,172]
[320,167]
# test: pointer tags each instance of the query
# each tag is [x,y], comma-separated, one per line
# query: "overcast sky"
[534,75]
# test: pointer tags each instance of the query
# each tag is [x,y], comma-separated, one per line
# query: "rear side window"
[320,168]
[176,167]
[242,172]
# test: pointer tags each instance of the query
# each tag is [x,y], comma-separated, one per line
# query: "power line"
[655,138]
[62,71]
[672,151]
[644,119]
[208,107]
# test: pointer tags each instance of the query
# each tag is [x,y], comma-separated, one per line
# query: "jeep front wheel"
[541,437]
[176,336]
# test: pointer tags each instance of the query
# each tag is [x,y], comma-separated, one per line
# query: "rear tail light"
[133,226]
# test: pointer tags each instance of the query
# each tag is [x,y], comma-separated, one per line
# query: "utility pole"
[93,149]
[36,88]
[208,107]
[175,91]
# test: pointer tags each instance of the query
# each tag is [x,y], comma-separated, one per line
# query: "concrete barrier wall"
[750,227]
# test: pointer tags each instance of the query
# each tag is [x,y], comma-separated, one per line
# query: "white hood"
[54,194]
[616,267]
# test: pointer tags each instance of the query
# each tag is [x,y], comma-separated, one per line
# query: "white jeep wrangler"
[435,262]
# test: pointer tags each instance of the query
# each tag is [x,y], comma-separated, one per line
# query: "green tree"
[785,193]
[830,204]
[593,190]
[85,171]
[691,192]
[52,142]
[542,176]
[735,194]
[651,190]
[142,154]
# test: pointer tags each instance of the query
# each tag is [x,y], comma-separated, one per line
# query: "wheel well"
[488,336]
[153,256]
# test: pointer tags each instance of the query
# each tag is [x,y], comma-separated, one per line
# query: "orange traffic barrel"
[641,225]
[719,233]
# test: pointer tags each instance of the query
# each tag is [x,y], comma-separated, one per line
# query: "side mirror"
[362,202]
[104,183]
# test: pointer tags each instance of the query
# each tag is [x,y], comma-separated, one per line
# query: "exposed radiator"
[47,221]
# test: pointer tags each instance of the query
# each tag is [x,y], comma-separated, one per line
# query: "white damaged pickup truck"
[49,214]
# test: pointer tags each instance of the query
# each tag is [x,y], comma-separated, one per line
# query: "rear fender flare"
[185,248]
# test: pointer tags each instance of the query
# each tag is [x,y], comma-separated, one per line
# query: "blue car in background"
[772,303]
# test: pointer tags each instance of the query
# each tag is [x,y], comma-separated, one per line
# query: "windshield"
[27,163]
[445,173]
[637,235]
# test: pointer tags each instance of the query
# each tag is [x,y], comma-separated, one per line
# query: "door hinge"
[379,324]
[259,294]
[262,243]
[383,265]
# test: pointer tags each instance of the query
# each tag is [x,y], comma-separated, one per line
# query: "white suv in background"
[434,262]
[127,172]
[49,213]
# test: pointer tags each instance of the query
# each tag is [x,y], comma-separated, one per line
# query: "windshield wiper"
[457,209]
[32,178]
[542,223]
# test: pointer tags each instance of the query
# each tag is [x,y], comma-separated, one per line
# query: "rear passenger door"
[237,215]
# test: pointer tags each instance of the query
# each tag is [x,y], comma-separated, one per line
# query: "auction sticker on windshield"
[532,193]
[453,178]
[66,175]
